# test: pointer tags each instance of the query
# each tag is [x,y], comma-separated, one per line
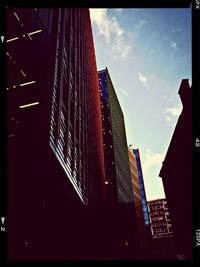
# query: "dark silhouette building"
[161,229]
[55,163]
[122,227]
[176,174]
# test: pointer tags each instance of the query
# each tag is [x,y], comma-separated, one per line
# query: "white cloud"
[119,10]
[150,82]
[152,159]
[174,45]
[141,23]
[143,79]
[151,165]
[120,47]
[112,32]
[173,112]
[169,118]
[123,92]
[99,16]
[178,29]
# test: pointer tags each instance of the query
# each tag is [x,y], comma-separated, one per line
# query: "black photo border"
[196,121]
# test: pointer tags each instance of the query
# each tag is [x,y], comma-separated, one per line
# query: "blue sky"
[147,53]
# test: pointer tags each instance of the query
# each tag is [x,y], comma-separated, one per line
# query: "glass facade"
[55,160]
[28,36]
[111,110]
[29,33]
[109,157]
[75,113]
[75,131]
[141,184]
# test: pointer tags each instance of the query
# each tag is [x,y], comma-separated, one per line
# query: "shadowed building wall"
[176,174]
[54,147]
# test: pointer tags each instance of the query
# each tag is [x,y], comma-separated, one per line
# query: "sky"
[147,53]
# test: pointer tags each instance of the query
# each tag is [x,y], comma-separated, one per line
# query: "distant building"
[135,186]
[161,229]
[176,174]
[120,199]
[143,230]
[112,116]
[141,184]
[55,162]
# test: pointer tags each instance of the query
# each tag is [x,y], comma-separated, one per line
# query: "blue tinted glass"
[144,208]
[142,193]
[103,85]
[143,201]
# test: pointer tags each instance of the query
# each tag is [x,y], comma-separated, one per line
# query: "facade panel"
[142,229]
[141,184]
[117,131]
[75,113]
[54,146]
[121,227]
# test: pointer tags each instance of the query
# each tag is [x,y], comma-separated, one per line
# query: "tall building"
[161,229]
[176,173]
[135,185]
[142,228]
[54,147]
[111,111]
[141,184]
[121,217]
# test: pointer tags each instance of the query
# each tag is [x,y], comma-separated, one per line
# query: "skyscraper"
[135,185]
[111,109]
[141,184]
[122,226]
[143,230]
[55,149]
[176,174]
